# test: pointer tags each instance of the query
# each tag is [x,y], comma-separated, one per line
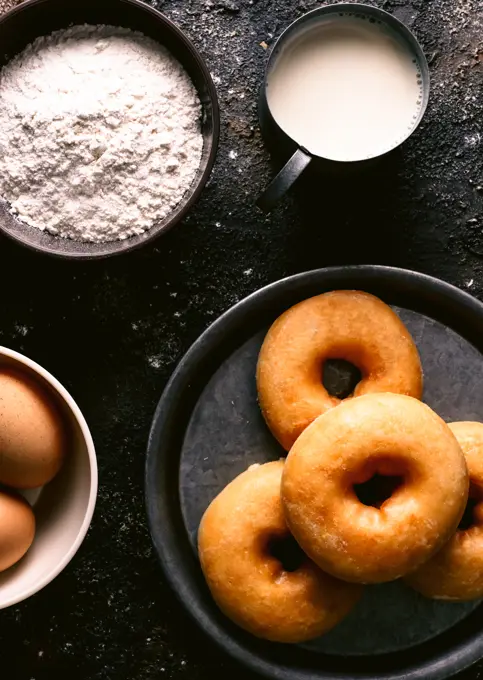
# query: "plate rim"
[442,664]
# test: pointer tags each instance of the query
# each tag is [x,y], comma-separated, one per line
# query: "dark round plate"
[208,428]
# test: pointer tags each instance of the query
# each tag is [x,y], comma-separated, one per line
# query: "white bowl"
[64,507]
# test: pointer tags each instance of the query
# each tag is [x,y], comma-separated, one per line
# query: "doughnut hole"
[379,480]
[473,514]
[340,377]
[285,549]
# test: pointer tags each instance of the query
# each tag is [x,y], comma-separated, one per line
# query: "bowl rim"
[91,453]
[104,249]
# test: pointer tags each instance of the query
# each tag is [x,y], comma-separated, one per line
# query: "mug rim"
[390,20]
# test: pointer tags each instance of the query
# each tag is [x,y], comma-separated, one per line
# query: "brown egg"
[17,528]
[32,436]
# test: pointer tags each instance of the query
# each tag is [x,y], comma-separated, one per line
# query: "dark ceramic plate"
[34,18]
[208,428]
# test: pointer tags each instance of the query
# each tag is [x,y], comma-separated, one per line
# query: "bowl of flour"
[109,126]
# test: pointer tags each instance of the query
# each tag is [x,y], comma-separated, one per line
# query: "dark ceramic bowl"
[35,18]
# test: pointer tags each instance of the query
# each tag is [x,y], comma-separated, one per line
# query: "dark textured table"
[112,331]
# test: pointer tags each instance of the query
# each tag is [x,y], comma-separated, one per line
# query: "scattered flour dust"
[99,133]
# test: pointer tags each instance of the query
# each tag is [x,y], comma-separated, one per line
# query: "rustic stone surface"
[113,331]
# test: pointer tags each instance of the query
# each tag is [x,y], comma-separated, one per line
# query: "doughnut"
[343,324]
[374,536]
[456,572]
[242,540]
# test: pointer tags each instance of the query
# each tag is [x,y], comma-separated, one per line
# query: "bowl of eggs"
[48,477]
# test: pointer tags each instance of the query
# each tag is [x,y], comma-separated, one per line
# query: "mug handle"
[282,182]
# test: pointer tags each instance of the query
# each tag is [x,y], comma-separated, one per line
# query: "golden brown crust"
[349,325]
[456,572]
[249,585]
[388,434]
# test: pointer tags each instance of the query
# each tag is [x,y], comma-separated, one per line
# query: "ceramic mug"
[345,84]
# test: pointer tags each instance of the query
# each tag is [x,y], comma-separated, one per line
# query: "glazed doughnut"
[456,572]
[349,325]
[326,478]
[238,539]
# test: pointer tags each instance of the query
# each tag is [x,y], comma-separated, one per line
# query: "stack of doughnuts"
[375,487]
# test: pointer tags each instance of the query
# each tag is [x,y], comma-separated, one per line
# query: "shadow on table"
[350,217]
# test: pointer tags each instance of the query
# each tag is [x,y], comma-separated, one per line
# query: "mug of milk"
[344,84]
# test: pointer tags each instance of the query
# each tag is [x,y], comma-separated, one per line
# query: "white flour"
[99,133]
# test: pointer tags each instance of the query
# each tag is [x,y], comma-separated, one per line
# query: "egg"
[17,528]
[32,432]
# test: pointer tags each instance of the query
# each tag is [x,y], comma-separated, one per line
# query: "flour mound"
[99,133]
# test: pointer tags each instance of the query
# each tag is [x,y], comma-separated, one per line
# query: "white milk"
[347,88]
